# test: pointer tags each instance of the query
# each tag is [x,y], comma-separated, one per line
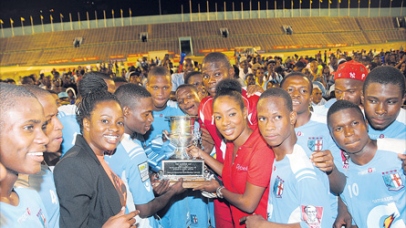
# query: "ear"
[126,111]
[86,124]
[293,117]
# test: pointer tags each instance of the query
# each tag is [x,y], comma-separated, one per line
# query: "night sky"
[25,8]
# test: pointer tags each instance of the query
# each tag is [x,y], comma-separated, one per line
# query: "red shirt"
[206,120]
[253,163]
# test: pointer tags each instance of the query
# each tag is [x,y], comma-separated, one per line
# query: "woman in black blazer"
[90,194]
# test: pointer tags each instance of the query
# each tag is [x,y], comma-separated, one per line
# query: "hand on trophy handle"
[207,141]
[194,152]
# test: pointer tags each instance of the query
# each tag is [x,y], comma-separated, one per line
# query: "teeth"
[111,137]
[36,153]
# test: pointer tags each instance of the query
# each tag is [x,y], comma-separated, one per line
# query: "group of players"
[279,164]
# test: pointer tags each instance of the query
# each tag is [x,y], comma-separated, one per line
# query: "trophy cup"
[183,135]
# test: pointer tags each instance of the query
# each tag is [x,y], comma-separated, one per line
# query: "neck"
[286,147]
[6,187]
[243,137]
[303,118]
[365,155]
[160,108]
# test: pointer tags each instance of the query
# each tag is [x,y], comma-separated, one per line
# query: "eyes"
[389,102]
[264,119]
[353,124]
[107,122]
[218,117]
[215,75]
[302,91]
[157,87]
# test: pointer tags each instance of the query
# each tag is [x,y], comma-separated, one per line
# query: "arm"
[152,207]
[208,160]
[325,162]
[344,218]
[121,220]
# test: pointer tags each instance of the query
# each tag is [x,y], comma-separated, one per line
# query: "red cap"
[352,70]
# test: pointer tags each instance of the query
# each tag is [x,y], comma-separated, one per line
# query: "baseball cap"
[351,70]
[62,95]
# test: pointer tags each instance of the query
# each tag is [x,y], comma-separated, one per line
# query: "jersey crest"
[194,219]
[315,143]
[392,180]
[278,187]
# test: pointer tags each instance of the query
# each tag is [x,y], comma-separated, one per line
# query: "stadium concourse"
[55,50]
[17,71]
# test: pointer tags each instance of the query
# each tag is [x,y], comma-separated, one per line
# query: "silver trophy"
[182,134]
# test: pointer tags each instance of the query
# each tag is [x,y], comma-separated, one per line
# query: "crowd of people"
[302,142]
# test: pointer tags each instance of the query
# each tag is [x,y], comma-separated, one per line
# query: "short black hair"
[385,75]
[216,57]
[37,91]
[341,105]
[297,74]
[119,79]
[191,74]
[278,92]
[128,94]
[183,86]
[230,87]
[8,98]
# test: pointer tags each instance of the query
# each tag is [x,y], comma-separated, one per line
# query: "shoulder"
[402,116]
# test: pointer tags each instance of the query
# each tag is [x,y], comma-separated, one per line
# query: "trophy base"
[191,171]
[190,182]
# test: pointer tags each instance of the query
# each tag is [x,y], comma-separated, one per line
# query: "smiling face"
[22,137]
[230,120]
[188,100]
[54,127]
[275,122]
[213,73]
[160,89]
[298,88]
[382,104]
[197,81]
[349,130]
[103,130]
[139,117]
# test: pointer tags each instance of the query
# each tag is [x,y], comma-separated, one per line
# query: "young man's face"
[139,117]
[54,126]
[349,130]
[349,90]
[298,88]
[275,122]
[22,137]
[160,89]
[197,81]
[382,104]
[213,73]
[188,101]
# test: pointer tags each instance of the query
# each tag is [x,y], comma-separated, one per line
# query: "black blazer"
[86,195]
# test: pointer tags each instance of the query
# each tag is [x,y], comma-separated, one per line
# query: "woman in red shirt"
[248,161]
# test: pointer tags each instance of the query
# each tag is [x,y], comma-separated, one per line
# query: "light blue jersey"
[67,116]
[131,165]
[43,182]
[30,211]
[161,122]
[296,193]
[315,136]
[375,192]
[177,212]
[177,80]
[396,130]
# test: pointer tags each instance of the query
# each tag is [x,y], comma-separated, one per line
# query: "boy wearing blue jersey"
[43,182]
[130,161]
[383,96]
[374,190]
[298,197]
[177,213]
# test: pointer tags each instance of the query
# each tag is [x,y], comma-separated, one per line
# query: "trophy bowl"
[182,134]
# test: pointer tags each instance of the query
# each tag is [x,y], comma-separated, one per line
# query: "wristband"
[218,192]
